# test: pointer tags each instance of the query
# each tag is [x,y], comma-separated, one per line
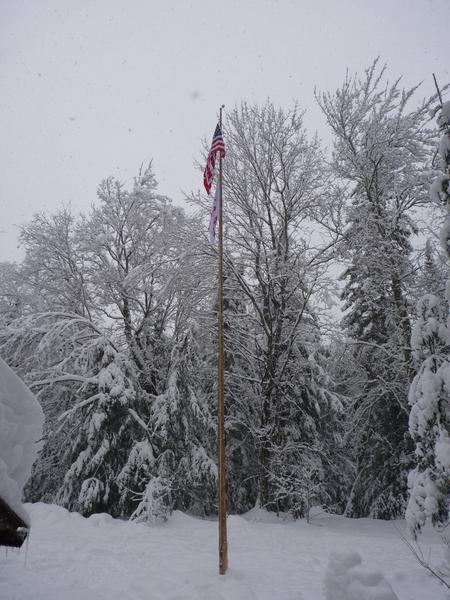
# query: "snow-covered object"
[21,421]
[105,430]
[347,579]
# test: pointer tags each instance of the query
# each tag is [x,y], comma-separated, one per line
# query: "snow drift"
[347,579]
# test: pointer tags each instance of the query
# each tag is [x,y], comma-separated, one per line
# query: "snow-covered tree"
[382,151]
[103,426]
[99,298]
[429,395]
[87,390]
[12,294]
[175,467]
[433,271]
[272,183]
[132,254]
[53,269]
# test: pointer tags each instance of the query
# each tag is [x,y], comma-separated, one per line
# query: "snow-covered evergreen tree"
[87,390]
[429,395]
[175,468]
[381,154]
[103,427]
[241,373]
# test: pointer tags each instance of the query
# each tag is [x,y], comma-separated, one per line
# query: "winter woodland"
[336,323]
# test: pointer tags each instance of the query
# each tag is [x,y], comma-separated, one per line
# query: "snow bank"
[101,558]
[21,421]
[347,579]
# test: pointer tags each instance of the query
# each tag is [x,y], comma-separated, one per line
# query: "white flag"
[215,211]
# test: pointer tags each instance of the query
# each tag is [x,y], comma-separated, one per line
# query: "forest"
[337,336]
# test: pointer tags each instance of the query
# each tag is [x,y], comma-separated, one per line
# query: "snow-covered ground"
[72,558]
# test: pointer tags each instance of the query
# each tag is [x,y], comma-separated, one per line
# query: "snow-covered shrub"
[136,473]
[156,504]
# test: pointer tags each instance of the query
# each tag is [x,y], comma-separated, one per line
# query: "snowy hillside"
[101,558]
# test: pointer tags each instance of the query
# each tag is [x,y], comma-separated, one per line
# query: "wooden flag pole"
[437,88]
[222,490]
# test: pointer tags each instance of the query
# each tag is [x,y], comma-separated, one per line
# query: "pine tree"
[241,404]
[178,470]
[378,319]
[429,395]
[103,428]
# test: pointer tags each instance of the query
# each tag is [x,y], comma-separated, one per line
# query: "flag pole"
[222,492]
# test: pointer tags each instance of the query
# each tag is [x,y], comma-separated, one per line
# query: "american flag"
[216,146]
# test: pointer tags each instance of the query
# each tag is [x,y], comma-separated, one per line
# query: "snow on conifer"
[429,395]
[174,467]
[21,421]
[103,426]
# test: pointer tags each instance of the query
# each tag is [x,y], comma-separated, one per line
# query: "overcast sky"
[91,88]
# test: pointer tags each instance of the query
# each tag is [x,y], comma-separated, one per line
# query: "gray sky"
[95,88]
